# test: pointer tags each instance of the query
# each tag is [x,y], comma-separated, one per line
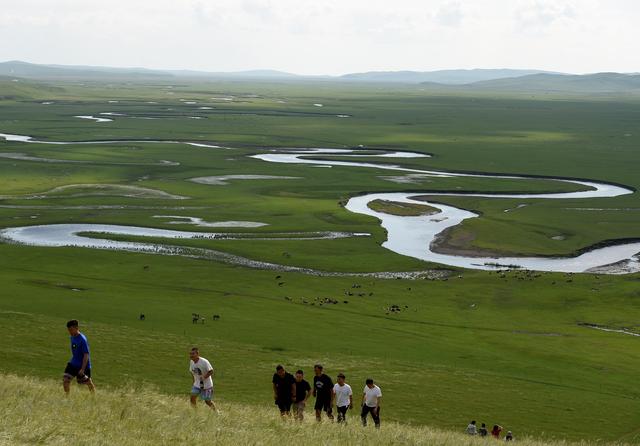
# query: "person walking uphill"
[344,398]
[303,391]
[284,390]
[202,372]
[323,391]
[371,397]
[79,366]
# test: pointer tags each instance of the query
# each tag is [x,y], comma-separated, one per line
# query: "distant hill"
[507,80]
[254,74]
[16,68]
[591,83]
[456,77]
[27,70]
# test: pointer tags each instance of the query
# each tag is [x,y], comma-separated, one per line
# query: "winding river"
[411,236]
[414,236]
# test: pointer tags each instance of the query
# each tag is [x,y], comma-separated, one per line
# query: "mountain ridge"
[39,71]
[502,79]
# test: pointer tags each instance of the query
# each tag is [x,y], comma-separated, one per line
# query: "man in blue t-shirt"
[79,366]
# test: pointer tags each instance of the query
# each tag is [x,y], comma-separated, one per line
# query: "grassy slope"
[480,347]
[36,412]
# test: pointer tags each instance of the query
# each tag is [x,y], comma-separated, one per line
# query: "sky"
[325,36]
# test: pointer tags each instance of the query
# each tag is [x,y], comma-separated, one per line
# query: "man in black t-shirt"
[322,390]
[303,391]
[284,390]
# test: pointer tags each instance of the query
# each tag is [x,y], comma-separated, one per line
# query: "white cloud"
[540,14]
[325,36]
[450,14]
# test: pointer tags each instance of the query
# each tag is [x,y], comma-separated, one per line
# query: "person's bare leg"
[211,405]
[66,385]
[318,415]
[91,386]
[194,399]
[299,414]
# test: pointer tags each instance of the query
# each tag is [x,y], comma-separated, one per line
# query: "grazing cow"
[142,317]
[216,317]
[195,317]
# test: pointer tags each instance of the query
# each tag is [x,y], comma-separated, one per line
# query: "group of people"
[287,390]
[290,391]
[496,431]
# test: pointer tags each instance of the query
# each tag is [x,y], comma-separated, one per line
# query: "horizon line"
[363,71]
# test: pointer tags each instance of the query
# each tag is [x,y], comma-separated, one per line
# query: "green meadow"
[499,348]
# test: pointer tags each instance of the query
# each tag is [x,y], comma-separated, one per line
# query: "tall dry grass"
[37,412]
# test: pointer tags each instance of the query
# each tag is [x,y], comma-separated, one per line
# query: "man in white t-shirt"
[343,397]
[202,372]
[371,399]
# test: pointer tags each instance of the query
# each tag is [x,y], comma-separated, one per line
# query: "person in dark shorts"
[284,390]
[323,391]
[343,396]
[79,366]
[303,391]
[371,399]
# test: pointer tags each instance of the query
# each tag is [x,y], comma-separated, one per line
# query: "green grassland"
[498,348]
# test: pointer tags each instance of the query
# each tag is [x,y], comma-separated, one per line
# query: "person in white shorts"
[371,399]
[202,372]
[343,397]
